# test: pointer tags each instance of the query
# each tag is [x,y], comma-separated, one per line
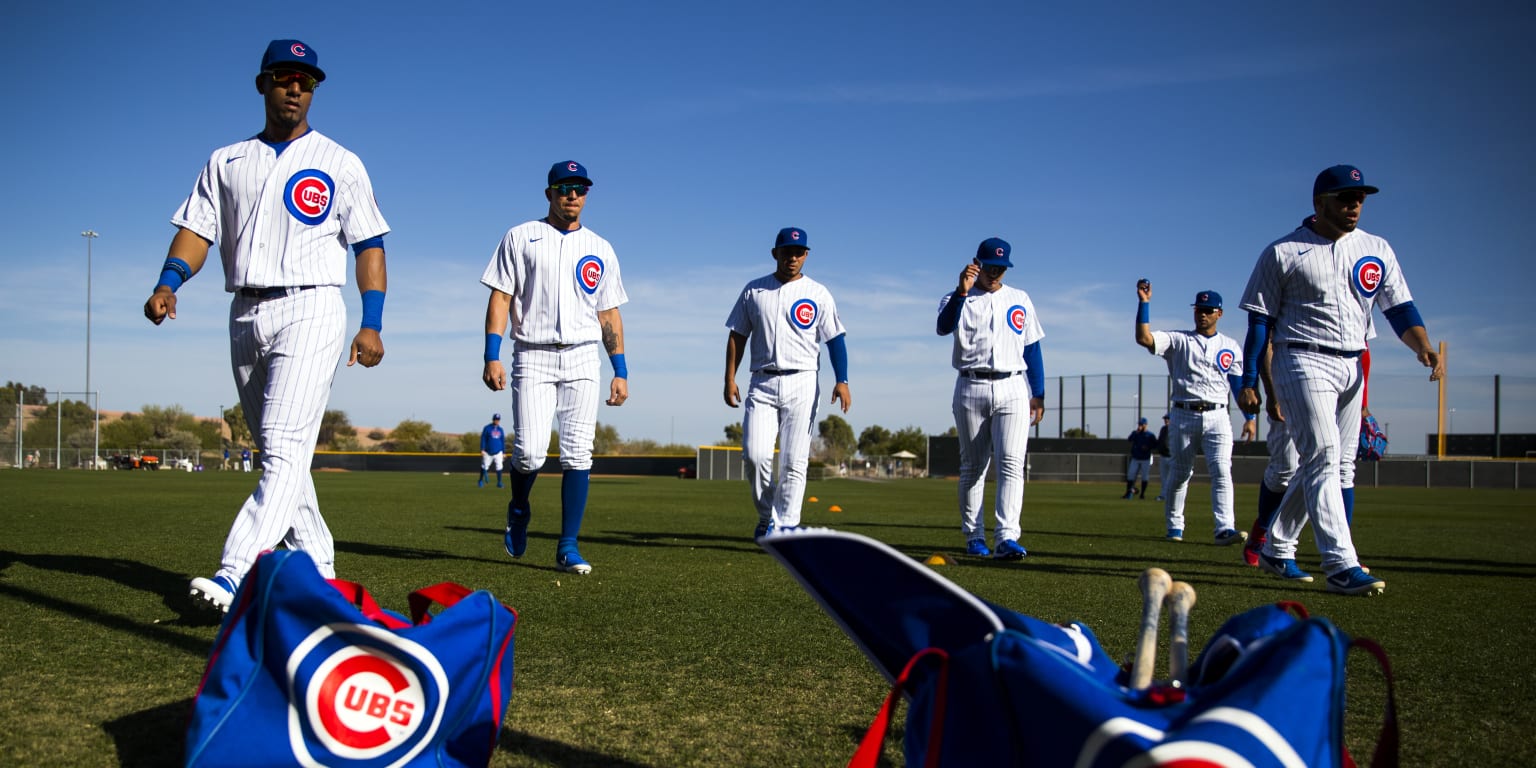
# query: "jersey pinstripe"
[1199,365]
[558,282]
[785,323]
[989,335]
[283,220]
[1325,290]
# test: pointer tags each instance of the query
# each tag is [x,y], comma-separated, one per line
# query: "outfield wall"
[673,466]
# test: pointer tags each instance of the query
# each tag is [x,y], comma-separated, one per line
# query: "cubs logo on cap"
[566,170]
[793,237]
[292,54]
[1225,359]
[1366,274]
[1016,317]
[1339,178]
[362,695]
[589,273]
[308,195]
[1207,299]
[803,314]
[993,252]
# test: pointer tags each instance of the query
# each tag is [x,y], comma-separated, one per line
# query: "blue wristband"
[174,273]
[492,347]
[1250,416]
[1143,312]
[620,369]
[373,310]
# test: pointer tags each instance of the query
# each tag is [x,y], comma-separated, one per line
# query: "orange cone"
[834,508]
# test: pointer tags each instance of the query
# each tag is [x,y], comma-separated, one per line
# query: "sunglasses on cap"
[565,189]
[285,77]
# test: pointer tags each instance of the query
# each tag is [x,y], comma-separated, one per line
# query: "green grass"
[690,646]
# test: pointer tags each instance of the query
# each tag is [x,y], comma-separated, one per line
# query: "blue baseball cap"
[1143,420]
[1339,178]
[292,54]
[792,237]
[568,169]
[1209,299]
[495,417]
[993,252]
[1165,417]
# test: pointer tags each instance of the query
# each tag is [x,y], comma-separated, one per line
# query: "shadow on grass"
[742,543]
[152,738]
[558,753]
[171,587]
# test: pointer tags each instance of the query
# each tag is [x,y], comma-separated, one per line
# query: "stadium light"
[89,235]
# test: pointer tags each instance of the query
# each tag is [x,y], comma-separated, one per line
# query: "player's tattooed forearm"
[610,339]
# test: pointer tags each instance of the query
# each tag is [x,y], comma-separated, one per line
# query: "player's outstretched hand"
[1036,410]
[161,304]
[494,376]
[367,348]
[1428,358]
[1248,400]
[1143,290]
[618,391]
[1250,430]
[732,394]
[840,392]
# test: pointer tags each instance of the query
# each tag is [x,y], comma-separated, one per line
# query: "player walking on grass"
[1202,365]
[557,284]
[999,392]
[283,206]
[1143,443]
[1311,295]
[493,442]
[782,319]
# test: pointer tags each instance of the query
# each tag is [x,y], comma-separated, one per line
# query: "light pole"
[89,235]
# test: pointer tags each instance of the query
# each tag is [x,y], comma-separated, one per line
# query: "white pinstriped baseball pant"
[1214,431]
[992,419]
[782,406]
[284,353]
[550,383]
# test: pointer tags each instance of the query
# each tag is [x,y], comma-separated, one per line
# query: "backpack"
[1373,442]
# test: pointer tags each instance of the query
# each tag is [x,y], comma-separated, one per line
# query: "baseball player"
[245,458]
[1202,364]
[1162,466]
[1143,443]
[782,319]
[493,443]
[557,284]
[1311,295]
[999,392]
[284,206]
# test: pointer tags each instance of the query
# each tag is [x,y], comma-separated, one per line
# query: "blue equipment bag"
[988,686]
[1373,442]
[306,672]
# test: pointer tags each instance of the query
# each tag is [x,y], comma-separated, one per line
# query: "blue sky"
[1105,141]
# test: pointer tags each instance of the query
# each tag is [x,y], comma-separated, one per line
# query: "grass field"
[690,646]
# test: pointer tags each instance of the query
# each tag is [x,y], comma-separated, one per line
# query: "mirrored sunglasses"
[285,77]
[565,189]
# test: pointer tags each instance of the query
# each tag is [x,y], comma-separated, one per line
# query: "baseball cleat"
[1175,534]
[217,592]
[1283,567]
[1159,497]
[1353,581]
[1129,495]
[516,537]
[570,561]
[977,547]
[1008,549]
[762,529]
[1251,553]
[1228,537]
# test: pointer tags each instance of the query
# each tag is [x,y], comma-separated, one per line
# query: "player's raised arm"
[613,341]
[372,282]
[1144,315]
[496,309]
[188,253]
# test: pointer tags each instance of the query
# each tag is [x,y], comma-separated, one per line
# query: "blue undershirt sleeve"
[363,245]
[1403,317]
[837,350]
[1259,326]
[949,316]
[1036,372]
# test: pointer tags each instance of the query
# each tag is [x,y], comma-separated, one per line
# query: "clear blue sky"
[1107,142]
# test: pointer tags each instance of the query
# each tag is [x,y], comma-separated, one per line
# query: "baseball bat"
[1180,599]
[1154,583]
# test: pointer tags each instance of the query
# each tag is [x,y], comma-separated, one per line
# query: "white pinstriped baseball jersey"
[558,282]
[785,322]
[993,329]
[1324,290]
[1199,365]
[292,214]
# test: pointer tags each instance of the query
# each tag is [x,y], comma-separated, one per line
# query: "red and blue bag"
[312,672]
[1373,442]
[988,686]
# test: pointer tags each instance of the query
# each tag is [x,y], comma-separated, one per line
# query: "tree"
[836,439]
[408,436]
[1079,432]
[912,440]
[9,396]
[874,441]
[605,440]
[732,434]
[45,428]
[469,442]
[239,431]
[334,425]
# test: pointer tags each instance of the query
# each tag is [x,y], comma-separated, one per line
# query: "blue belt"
[991,375]
[262,294]
[1322,350]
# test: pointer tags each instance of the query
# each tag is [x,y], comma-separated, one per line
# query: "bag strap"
[870,746]
[1386,754]
[447,594]
[358,596]
[1294,608]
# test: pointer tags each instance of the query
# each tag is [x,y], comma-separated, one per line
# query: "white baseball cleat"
[217,592]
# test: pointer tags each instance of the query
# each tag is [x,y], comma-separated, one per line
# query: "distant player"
[1202,365]
[284,206]
[1143,443]
[557,284]
[1311,294]
[999,392]
[1162,466]
[781,320]
[493,441]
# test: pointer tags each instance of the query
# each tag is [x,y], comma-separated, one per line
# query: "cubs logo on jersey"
[1016,318]
[1367,274]
[362,696]
[803,314]
[589,272]
[309,195]
[1224,360]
